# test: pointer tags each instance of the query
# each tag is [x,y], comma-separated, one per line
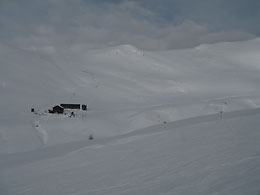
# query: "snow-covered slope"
[204,155]
[172,122]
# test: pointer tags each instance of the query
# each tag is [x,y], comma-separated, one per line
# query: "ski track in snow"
[100,189]
[233,97]
[244,160]
[21,158]
[234,163]
[176,105]
[42,133]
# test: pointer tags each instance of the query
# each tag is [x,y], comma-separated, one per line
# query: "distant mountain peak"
[126,49]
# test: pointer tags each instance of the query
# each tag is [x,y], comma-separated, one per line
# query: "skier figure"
[72,114]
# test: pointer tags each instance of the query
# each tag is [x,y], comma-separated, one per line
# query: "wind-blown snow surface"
[156,118]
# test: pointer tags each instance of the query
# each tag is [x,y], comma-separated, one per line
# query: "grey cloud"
[239,15]
[94,24]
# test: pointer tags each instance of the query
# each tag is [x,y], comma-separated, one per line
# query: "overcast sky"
[147,24]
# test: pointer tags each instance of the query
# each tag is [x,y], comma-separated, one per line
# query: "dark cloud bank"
[147,24]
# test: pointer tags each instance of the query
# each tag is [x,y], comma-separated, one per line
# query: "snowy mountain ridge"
[168,122]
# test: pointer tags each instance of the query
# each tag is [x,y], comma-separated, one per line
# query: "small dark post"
[90,137]
[221,113]
[84,107]
[32,109]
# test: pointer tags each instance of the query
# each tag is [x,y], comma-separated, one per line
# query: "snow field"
[172,122]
